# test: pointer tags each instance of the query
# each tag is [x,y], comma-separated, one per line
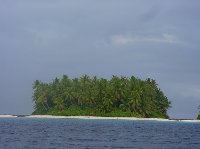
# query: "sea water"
[37,133]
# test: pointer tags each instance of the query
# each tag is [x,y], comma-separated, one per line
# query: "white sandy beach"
[97,117]
[6,115]
[108,118]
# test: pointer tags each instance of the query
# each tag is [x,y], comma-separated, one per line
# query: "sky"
[44,39]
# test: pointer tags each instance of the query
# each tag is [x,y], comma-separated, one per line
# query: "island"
[93,96]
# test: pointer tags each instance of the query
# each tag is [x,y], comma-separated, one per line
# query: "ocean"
[44,133]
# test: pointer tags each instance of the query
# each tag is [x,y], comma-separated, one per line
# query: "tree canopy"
[118,96]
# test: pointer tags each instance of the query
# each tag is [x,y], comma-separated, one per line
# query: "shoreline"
[98,118]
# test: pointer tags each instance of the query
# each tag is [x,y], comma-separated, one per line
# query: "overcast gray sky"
[44,39]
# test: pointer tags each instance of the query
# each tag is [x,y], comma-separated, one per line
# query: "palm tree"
[59,104]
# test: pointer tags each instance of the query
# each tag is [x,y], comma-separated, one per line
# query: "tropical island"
[86,96]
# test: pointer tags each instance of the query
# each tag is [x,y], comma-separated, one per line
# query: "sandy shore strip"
[97,117]
[109,118]
[6,115]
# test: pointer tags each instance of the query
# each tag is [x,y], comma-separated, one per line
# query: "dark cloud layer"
[46,39]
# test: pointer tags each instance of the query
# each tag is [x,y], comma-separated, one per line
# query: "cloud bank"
[163,38]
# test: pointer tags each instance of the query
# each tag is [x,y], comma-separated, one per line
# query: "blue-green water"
[25,133]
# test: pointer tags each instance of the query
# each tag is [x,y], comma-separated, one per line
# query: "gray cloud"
[164,38]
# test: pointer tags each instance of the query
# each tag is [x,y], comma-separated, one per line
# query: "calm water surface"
[25,133]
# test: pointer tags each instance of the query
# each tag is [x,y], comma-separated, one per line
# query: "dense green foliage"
[119,96]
